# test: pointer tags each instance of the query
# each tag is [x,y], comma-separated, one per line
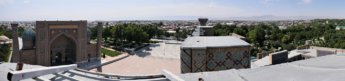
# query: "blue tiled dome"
[29,37]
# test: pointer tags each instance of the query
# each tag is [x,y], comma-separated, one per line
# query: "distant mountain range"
[274,18]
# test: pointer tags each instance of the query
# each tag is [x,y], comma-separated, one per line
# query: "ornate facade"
[57,43]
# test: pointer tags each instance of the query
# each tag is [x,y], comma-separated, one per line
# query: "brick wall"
[28,56]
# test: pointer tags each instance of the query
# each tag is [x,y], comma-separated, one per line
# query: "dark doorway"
[63,51]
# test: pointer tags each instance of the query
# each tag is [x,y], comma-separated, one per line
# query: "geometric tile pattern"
[186,61]
[214,59]
[198,60]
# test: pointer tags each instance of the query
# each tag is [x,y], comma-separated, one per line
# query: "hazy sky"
[11,10]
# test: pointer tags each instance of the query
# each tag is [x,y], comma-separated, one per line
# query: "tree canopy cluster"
[268,36]
[5,48]
[128,35]
[182,34]
[8,32]
[4,52]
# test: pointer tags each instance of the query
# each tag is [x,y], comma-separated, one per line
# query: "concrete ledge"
[122,76]
[108,62]
[171,76]
[31,73]
[41,79]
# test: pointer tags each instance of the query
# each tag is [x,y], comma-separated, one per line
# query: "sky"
[28,10]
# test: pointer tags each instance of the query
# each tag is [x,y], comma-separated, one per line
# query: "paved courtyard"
[148,60]
[161,50]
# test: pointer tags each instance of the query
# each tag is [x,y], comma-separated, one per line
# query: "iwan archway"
[63,50]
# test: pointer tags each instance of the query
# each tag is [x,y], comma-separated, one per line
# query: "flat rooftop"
[325,68]
[204,42]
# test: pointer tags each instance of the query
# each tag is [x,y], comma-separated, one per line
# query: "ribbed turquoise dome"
[29,37]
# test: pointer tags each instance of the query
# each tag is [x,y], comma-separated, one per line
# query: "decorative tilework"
[214,59]
[246,59]
[186,63]
[228,61]
[199,60]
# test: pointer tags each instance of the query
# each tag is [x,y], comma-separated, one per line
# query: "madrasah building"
[54,43]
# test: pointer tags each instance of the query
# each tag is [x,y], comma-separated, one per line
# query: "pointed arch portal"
[63,50]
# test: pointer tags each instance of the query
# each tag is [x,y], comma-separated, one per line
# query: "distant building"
[5,40]
[340,28]
[171,31]
[203,29]
[295,55]
[272,59]
[214,53]
[238,36]
[282,27]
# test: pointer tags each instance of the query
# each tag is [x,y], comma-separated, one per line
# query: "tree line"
[268,37]
[128,34]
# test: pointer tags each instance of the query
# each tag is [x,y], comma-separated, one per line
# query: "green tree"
[257,36]
[93,32]
[4,52]
[178,33]
[240,31]
[286,39]
[106,33]
[223,30]
[2,30]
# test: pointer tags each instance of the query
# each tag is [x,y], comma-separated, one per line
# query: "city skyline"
[29,10]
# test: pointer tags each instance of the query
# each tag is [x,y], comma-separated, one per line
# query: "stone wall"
[28,56]
[92,51]
[279,57]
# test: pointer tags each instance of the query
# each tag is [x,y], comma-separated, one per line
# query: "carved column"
[15,53]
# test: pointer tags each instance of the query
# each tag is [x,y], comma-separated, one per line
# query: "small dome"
[4,38]
[29,37]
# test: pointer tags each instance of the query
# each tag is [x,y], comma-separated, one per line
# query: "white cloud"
[268,1]
[26,1]
[299,1]
[306,1]
[4,2]
[7,2]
